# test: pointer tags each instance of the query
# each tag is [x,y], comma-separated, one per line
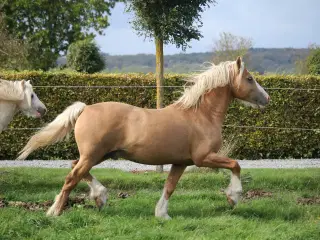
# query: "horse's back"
[110,106]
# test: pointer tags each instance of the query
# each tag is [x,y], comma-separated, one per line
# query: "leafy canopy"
[313,60]
[229,46]
[84,56]
[173,21]
[50,26]
[13,52]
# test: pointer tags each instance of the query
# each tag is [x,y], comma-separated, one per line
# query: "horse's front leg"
[169,187]
[234,189]
[72,179]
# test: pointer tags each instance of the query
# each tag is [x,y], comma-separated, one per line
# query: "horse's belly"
[153,156]
[160,161]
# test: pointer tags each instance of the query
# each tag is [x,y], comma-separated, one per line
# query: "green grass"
[198,208]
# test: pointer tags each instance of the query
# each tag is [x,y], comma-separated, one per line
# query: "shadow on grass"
[267,210]
[263,210]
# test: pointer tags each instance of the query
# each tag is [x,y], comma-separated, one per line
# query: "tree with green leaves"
[300,66]
[229,46]
[13,52]
[313,60]
[311,63]
[167,21]
[50,26]
[85,56]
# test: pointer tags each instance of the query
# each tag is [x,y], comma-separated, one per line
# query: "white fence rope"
[153,86]
[279,128]
[232,126]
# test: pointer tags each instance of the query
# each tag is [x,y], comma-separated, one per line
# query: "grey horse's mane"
[11,90]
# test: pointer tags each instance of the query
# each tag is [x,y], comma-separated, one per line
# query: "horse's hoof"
[231,202]
[233,196]
[99,195]
[99,202]
[53,212]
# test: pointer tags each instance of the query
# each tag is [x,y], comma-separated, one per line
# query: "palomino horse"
[18,96]
[187,132]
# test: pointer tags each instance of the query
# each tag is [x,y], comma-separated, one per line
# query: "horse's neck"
[7,111]
[215,103]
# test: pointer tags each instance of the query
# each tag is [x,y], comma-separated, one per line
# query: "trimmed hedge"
[288,109]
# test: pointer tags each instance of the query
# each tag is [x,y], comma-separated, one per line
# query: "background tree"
[313,60]
[13,52]
[84,56]
[307,64]
[167,21]
[300,66]
[50,26]
[229,46]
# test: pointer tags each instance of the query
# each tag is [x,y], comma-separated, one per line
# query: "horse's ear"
[23,84]
[239,62]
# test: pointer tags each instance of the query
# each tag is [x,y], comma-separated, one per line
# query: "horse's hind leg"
[78,172]
[170,185]
[234,189]
[97,191]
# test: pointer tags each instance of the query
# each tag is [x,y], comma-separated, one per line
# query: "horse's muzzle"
[42,111]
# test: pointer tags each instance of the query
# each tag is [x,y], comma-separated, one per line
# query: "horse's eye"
[32,96]
[250,79]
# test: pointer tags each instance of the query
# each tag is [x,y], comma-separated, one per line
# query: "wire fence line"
[153,86]
[231,126]
[175,86]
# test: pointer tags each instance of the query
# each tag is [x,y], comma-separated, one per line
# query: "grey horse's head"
[31,104]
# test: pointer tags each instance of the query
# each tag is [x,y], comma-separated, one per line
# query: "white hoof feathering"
[52,211]
[162,208]
[98,192]
[234,190]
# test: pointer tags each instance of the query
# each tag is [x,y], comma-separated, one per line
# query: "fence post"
[159,80]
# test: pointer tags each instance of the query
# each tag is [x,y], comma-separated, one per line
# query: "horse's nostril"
[268,98]
[42,111]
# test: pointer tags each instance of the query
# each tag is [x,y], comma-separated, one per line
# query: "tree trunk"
[159,79]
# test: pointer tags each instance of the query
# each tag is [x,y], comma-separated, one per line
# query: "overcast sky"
[269,23]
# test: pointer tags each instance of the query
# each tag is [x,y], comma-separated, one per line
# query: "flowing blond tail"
[55,131]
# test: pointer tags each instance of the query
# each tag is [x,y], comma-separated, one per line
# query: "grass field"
[198,208]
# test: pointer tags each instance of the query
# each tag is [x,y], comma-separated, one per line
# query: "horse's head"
[31,104]
[247,89]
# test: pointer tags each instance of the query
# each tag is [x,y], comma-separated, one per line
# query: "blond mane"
[11,90]
[214,77]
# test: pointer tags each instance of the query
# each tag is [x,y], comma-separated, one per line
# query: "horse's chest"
[207,142]
[7,113]
[216,141]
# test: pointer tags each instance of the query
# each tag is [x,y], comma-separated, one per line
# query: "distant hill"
[277,60]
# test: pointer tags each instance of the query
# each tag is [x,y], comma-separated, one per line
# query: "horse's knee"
[70,181]
[236,169]
[69,178]
[198,163]
[74,163]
